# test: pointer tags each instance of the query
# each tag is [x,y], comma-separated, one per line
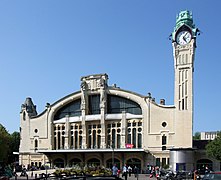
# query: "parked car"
[213,175]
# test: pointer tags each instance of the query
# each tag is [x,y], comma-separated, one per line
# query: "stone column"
[67,133]
[83,113]
[123,129]
[102,122]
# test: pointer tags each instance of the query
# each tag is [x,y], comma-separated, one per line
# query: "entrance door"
[134,162]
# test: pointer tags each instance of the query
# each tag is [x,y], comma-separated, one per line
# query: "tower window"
[24,116]
[164,140]
[36,144]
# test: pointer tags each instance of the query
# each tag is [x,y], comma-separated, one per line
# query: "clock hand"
[185,35]
[184,38]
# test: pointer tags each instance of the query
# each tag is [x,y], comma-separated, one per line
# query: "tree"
[13,146]
[4,144]
[9,143]
[196,136]
[213,148]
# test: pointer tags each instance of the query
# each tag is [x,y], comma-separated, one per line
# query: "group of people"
[126,170]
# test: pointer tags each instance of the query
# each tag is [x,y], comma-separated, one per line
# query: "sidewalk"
[140,177]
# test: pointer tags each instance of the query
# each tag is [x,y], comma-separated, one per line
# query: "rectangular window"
[94,104]
[129,139]
[183,104]
[186,58]
[182,58]
[80,141]
[118,140]
[179,105]
[183,89]
[134,137]
[182,76]
[164,140]
[163,162]
[98,141]
[139,140]
[158,162]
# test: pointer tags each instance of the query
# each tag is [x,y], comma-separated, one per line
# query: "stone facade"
[102,124]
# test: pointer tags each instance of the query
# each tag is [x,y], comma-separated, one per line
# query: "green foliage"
[9,143]
[14,142]
[213,148]
[196,136]
[85,170]
[4,146]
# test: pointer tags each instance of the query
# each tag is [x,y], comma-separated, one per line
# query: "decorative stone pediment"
[94,82]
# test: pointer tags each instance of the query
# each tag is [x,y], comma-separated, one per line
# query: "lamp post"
[112,153]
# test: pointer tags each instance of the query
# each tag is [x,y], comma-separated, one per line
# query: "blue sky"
[47,45]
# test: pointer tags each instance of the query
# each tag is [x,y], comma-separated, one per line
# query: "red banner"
[129,145]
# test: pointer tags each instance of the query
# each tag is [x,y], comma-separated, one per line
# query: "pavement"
[132,177]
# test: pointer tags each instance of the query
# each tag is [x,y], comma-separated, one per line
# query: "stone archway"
[109,163]
[74,161]
[59,163]
[134,162]
[94,161]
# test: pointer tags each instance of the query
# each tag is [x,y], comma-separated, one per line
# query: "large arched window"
[116,104]
[71,109]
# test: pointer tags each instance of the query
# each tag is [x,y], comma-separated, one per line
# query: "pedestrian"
[136,171]
[207,171]
[129,170]
[114,170]
[152,173]
[125,170]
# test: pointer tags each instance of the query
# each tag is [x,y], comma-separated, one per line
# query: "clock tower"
[184,44]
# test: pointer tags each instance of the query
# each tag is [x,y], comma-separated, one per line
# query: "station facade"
[102,124]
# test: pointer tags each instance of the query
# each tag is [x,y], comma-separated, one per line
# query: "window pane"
[71,109]
[94,104]
[118,104]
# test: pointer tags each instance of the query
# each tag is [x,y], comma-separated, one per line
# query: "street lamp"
[113,152]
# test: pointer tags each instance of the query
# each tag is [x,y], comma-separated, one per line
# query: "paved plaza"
[140,177]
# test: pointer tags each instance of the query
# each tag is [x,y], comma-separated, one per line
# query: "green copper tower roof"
[184,19]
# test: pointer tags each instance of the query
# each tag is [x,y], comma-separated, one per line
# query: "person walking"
[129,170]
[114,170]
[136,171]
[125,170]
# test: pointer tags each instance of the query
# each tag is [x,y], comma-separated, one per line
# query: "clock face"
[183,37]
